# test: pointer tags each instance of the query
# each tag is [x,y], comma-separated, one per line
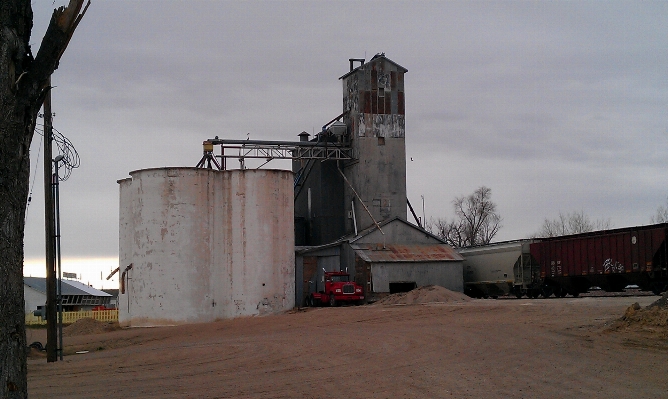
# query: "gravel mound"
[426,294]
[89,326]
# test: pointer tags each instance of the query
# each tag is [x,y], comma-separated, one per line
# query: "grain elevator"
[335,198]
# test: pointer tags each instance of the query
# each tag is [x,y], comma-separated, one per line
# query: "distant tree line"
[571,223]
[477,221]
[661,215]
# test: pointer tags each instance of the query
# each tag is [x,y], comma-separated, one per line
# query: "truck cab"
[337,288]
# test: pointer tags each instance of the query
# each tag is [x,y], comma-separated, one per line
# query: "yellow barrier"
[71,317]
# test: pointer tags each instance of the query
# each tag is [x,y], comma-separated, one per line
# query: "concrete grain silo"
[196,245]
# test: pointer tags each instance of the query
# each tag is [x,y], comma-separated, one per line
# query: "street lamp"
[424,222]
[56,197]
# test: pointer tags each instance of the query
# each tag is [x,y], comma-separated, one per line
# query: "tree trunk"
[23,84]
[14,176]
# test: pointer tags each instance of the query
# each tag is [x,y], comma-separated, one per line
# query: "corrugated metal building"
[76,296]
[399,259]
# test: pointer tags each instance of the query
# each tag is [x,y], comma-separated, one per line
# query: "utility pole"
[49,222]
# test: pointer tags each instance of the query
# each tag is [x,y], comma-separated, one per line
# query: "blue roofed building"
[76,296]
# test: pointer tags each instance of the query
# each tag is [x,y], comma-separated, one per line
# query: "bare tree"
[23,86]
[476,220]
[661,215]
[449,231]
[571,223]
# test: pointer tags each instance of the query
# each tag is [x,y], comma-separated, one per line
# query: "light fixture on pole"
[59,295]
[424,222]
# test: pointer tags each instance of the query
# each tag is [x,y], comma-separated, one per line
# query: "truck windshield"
[340,279]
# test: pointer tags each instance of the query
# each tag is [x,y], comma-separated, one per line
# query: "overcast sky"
[556,106]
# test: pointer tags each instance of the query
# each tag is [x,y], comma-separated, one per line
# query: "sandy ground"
[511,348]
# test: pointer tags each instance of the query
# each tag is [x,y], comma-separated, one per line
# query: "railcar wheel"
[658,288]
[575,294]
[546,291]
[518,294]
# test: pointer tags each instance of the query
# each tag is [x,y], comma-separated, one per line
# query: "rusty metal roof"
[375,253]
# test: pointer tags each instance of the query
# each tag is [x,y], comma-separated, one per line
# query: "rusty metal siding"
[362,95]
[367,102]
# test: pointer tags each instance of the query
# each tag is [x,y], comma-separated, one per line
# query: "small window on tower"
[381,140]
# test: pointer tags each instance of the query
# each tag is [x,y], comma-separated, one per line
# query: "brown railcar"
[610,259]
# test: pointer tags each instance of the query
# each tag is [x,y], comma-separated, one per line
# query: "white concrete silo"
[205,244]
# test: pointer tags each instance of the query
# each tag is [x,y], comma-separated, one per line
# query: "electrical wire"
[70,155]
[34,177]
[70,159]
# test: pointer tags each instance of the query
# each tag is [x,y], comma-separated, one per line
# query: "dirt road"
[552,348]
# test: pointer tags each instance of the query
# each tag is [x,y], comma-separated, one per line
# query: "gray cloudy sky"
[556,106]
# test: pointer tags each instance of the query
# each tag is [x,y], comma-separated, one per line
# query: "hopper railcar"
[559,266]
[504,268]
[609,259]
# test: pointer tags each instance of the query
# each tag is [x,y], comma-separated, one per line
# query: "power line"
[70,155]
[34,176]
[70,159]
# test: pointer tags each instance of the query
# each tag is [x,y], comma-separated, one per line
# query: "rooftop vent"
[360,60]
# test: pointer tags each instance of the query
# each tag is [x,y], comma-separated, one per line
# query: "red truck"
[338,288]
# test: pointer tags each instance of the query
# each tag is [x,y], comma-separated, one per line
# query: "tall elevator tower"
[327,206]
[374,107]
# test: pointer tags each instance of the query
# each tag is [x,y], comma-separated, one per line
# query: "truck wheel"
[332,300]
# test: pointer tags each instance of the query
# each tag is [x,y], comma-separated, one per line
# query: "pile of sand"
[426,294]
[651,316]
[650,322]
[89,326]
